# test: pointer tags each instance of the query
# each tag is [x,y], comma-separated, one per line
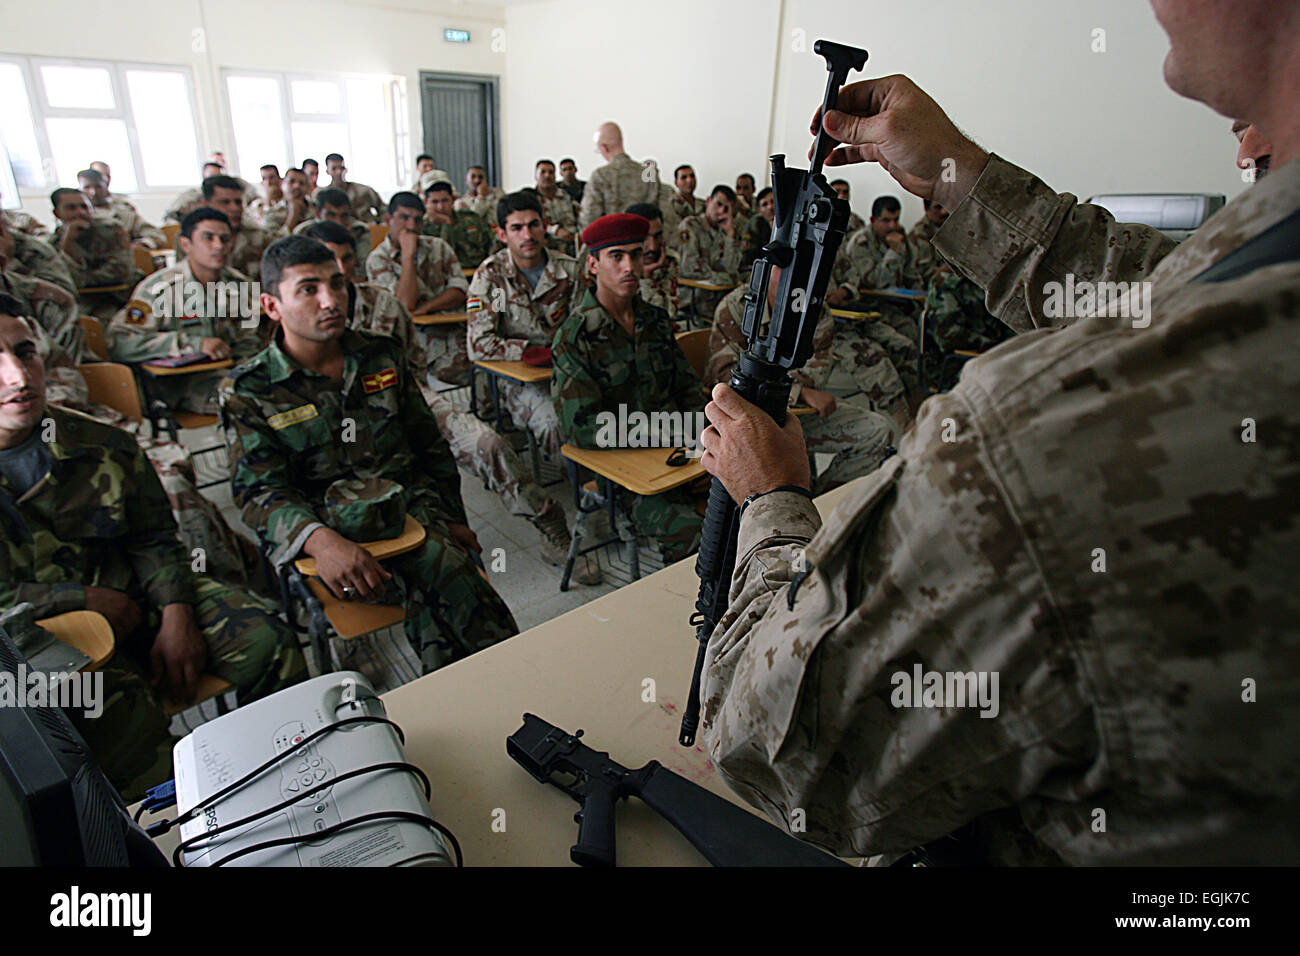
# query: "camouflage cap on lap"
[365,509]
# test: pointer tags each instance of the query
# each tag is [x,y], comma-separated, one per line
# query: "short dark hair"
[310,162]
[338,156]
[839,182]
[326,230]
[332,197]
[64,191]
[749,176]
[441,186]
[423,156]
[213,183]
[263,169]
[759,196]
[408,199]
[680,168]
[477,166]
[203,213]
[517,202]
[10,306]
[213,166]
[568,159]
[540,161]
[290,251]
[725,190]
[646,210]
[293,169]
[94,175]
[885,204]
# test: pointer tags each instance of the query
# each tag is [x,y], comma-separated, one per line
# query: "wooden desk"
[468,273]
[706,286]
[101,289]
[896,296]
[87,631]
[441,318]
[161,371]
[852,314]
[517,371]
[412,536]
[642,471]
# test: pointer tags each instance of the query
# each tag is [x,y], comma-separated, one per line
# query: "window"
[58,116]
[285,118]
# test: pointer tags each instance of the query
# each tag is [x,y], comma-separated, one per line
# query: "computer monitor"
[56,806]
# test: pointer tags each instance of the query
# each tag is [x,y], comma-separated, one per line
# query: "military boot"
[554,529]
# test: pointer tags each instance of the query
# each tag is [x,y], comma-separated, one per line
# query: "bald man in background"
[618,184]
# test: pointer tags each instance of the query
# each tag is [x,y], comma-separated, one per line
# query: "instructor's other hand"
[893,122]
[747,452]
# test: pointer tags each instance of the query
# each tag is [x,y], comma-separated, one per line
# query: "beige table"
[642,471]
[87,631]
[441,318]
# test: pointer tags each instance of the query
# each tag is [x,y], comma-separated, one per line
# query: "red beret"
[616,229]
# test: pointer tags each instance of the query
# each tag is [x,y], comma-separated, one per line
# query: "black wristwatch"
[795,488]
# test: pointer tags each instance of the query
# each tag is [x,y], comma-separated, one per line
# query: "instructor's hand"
[747,452]
[893,122]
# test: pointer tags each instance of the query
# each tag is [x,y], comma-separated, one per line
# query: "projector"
[1177,215]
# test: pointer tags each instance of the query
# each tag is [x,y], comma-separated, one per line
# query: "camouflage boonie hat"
[365,509]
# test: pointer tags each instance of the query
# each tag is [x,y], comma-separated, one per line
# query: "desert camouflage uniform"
[284,427]
[659,288]
[599,367]
[869,263]
[485,207]
[618,184]
[366,205]
[37,258]
[859,431]
[856,222]
[506,316]
[684,208]
[470,235]
[270,216]
[182,205]
[436,270]
[101,256]
[1128,690]
[710,255]
[360,235]
[561,212]
[99,519]
[146,328]
[754,235]
[52,307]
[576,190]
[125,214]
[25,222]
[476,445]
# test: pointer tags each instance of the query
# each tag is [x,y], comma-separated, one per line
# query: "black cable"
[347,825]
[324,785]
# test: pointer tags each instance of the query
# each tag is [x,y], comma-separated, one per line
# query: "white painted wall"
[692,81]
[397,37]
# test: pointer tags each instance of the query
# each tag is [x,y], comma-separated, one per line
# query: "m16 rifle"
[726,834]
[809,226]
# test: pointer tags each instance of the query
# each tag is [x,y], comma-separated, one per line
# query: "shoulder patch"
[137,311]
[379,381]
[302,413]
[474,304]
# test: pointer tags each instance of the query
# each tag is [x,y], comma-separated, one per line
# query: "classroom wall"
[693,81]
[397,37]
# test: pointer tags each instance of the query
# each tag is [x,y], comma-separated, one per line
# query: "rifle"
[726,834]
[810,223]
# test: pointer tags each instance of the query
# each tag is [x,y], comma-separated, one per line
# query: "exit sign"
[456,36]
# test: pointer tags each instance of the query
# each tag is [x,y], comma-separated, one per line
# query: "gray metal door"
[460,113]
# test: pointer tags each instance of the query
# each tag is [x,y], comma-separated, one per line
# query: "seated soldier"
[98,253]
[191,199]
[924,230]
[477,446]
[569,180]
[324,404]
[558,207]
[844,191]
[468,233]
[292,209]
[198,305]
[22,221]
[311,169]
[365,203]
[424,274]
[423,164]
[861,410]
[659,264]
[744,206]
[616,354]
[709,250]
[224,194]
[332,205]
[50,306]
[28,256]
[270,196]
[757,231]
[684,202]
[519,298]
[480,198]
[115,209]
[87,527]
[957,318]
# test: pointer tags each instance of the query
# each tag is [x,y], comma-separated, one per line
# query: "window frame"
[38,101]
